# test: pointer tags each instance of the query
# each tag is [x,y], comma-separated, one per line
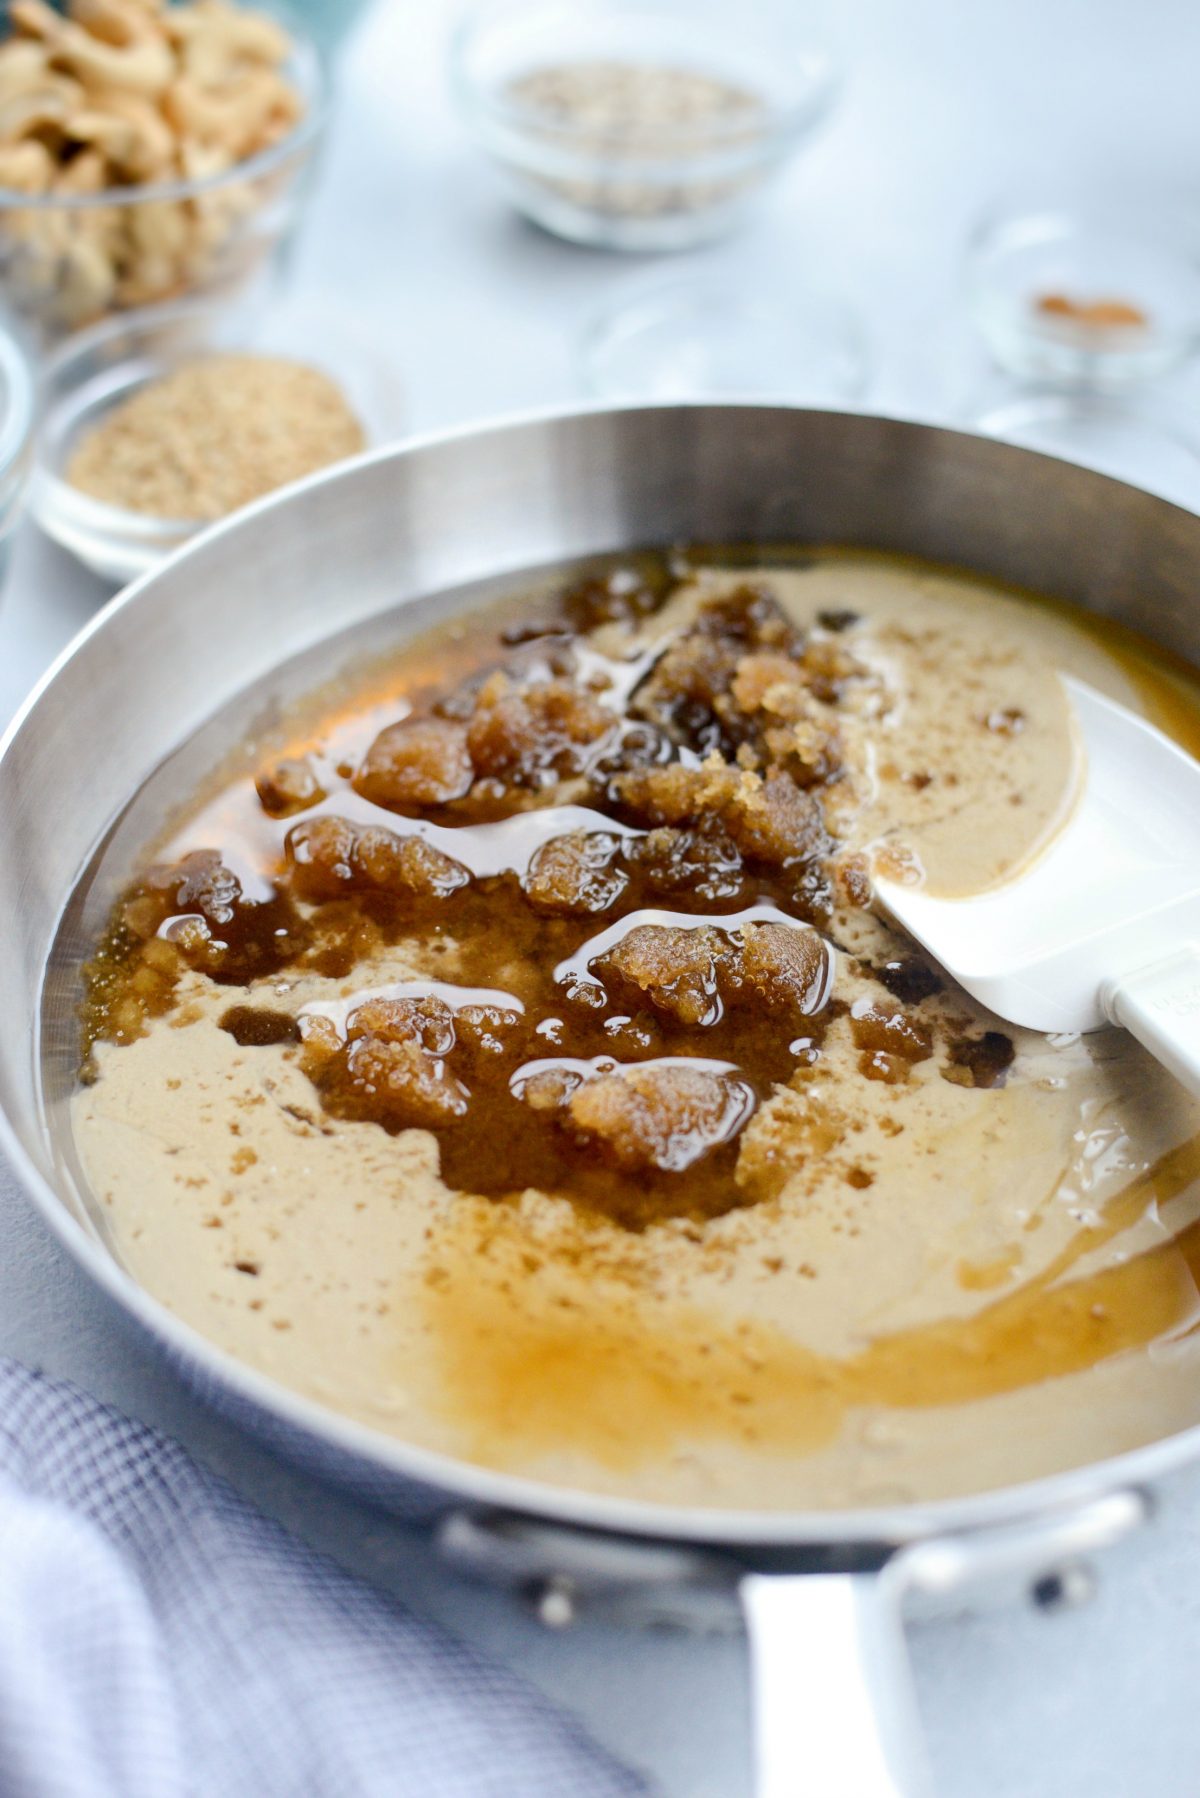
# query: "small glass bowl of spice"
[1084,295]
[157,425]
[639,126]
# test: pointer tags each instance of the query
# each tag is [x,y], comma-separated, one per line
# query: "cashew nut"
[27,167]
[47,105]
[142,68]
[214,39]
[86,282]
[121,23]
[239,119]
[158,229]
[23,67]
[35,18]
[86,173]
[130,131]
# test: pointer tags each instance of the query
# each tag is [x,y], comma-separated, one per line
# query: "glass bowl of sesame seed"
[640,124]
[153,426]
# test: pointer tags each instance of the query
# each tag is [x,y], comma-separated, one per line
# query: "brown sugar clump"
[204,915]
[401,1084]
[704,862]
[785,703]
[616,596]
[674,970]
[213,435]
[256,1026]
[418,762]
[675,794]
[891,1043]
[427,1020]
[527,736]
[892,1032]
[770,682]
[852,879]
[908,979]
[772,821]
[393,1067]
[786,970]
[745,683]
[329,857]
[189,914]
[290,786]
[752,616]
[549,1088]
[575,875]
[705,691]
[980,1060]
[691,974]
[657,1116]
[775,822]
[682,698]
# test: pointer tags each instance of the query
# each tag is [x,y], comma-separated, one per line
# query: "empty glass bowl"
[716,337]
[1086,295]
[1104,433]
[639,124]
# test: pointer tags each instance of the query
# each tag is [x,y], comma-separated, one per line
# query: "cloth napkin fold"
[161,1638]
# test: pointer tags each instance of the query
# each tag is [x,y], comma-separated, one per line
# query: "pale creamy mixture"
[958,1254]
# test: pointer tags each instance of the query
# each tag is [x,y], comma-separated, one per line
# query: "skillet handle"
[834,1708]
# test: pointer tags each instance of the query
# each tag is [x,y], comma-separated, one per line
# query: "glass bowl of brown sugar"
[155,426]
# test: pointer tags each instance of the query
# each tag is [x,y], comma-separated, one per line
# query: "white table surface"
[480,311]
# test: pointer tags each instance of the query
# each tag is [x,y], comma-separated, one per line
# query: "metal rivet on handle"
[1065,1588]
[553,1602]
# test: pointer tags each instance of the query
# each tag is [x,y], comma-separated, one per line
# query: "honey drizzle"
[561,1355]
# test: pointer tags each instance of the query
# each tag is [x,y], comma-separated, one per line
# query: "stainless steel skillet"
[369,543]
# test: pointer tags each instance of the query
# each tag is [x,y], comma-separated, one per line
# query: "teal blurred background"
[331,21]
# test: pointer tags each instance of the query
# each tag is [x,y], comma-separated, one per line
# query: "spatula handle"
[1160,1005]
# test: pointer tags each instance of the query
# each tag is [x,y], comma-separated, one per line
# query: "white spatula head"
[1113,898]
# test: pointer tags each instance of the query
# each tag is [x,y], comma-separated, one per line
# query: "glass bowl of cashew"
[149,149]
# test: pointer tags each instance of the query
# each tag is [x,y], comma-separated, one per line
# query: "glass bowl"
[1086,296]
[639,124]
[94,371]
[715,337]
[1101,432]
[18,416]
[69,260]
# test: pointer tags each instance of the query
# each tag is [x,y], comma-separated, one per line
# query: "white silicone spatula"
[1104,926]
